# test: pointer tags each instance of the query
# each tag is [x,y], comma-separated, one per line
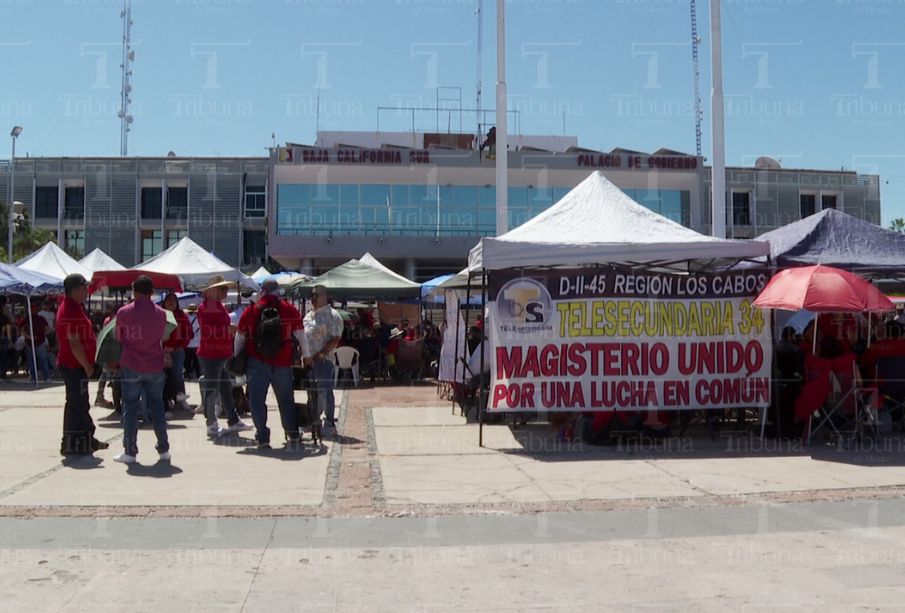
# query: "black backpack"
[269,333]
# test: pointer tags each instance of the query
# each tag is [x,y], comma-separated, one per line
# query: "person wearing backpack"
[267,332]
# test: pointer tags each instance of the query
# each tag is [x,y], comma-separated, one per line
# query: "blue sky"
[813,83]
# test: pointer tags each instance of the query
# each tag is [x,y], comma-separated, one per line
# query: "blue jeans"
[262,375]
[217,381]
[150,386]
[324,371]
[175,376]
[43,362]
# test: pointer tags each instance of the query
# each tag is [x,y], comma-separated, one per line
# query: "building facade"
[417,201]
[133,208]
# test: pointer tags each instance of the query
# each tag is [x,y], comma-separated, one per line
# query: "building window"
[741,208]
[255,201]
[46,205]
[151,202]
[255,251]
[174,236]
[74,243]
[74,204]
[808,204]
[151,243]
[177,203]
[828,201]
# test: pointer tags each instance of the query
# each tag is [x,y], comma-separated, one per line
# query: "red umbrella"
[124,279]
[822,289]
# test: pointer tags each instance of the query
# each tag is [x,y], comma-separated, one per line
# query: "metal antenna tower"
[480,13]
[698,112]
[126,93]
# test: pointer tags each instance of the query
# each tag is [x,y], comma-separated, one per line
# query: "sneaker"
[124,458]
[164,456]
[215,431]
[239,426]
[329,428]
[264,445]
[199,410]
[103,404]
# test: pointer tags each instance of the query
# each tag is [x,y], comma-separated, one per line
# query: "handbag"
[238,364]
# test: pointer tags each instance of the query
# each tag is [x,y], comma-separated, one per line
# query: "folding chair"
[856,399]
[891,386]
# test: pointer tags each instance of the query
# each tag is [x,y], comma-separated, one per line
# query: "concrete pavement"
[403,450]
[787,557]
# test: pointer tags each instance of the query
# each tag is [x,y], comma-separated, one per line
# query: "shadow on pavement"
[85,462]
[286,453]
[539,441]
[160,470]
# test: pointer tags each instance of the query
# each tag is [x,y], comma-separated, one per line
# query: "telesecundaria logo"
[524,305]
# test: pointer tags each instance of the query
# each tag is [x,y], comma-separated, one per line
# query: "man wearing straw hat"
[215,349]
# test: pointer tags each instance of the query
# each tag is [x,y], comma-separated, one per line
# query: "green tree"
[26,238]
[898,224]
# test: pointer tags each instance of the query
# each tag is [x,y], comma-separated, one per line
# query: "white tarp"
[52,261]
[195,265]
[98,260]
[453,340]
[597,223]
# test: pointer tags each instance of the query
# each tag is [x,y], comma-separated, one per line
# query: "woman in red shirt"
[174,347]
[215,349]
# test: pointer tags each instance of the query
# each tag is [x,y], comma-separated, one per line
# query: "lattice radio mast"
[125,117]
[698,112]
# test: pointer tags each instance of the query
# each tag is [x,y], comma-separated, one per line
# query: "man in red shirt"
[267,331]
[215,349]
[78,346]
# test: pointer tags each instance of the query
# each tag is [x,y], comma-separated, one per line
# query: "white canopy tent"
[260,274]
[596,223]
[52,261]
[195,265]
[98,260]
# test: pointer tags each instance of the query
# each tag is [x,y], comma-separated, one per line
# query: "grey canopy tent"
[837,239]
[15,280]
[360,280]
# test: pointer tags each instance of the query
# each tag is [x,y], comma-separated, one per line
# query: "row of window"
[47,205]
[152,243]
[741,210]
[430,209]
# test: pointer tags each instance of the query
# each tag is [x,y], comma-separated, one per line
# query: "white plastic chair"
[346,358]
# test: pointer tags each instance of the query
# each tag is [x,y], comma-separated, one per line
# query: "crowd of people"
[261,344]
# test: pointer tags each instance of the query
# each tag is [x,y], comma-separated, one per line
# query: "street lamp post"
[16,131]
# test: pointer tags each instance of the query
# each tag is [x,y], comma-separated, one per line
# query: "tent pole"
[814,335]
[481,408]
[456,353]
[31,327]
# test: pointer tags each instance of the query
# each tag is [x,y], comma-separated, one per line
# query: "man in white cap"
[266,331]
[323,330]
